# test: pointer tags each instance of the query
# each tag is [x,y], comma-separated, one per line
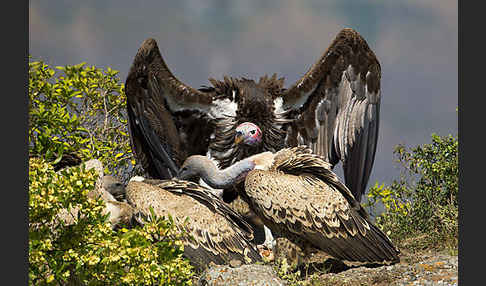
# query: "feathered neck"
[232,175]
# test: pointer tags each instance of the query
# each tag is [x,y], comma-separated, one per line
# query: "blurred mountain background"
[415,41]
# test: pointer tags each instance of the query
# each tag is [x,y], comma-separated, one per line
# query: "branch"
[103,93]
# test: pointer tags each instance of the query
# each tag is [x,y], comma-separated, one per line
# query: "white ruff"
[223,107]
[278,105]
[263,161]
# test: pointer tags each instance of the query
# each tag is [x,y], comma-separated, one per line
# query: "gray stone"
[96,164]
[245,275]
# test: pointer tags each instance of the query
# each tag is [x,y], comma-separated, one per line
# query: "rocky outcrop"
[245,275]
[419,268]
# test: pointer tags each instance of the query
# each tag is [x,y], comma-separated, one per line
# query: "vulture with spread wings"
[333,108]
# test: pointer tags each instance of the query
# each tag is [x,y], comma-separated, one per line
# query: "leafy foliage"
[81,110]
[287,272]
[422,205]
[88,251]
[78,110]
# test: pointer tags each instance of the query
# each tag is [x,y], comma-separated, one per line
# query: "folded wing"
[301,199]
[213,232]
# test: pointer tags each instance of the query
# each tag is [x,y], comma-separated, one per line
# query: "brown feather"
[214,232]
[300,198]
[336,106]
[158,134]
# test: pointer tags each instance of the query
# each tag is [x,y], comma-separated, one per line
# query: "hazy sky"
[415,41]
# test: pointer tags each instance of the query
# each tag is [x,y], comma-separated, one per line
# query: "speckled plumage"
[214,232]
[299,197]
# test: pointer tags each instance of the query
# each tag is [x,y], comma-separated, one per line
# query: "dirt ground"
[426,267]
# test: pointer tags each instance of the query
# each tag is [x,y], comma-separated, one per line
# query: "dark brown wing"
[213,232]
[337,104]
[162,112]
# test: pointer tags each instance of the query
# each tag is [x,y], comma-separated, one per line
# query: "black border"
[471,125]
[14,117]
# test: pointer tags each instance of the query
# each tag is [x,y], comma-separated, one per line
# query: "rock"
[435,269]
[235,263]
[245,275]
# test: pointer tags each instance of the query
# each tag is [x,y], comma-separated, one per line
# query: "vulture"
[298,197]
[333,109]
[113,186]
[212,231]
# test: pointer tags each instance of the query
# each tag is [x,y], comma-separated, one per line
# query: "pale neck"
[222,179]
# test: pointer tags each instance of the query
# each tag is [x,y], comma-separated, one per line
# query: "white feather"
[137,179]
[223,107]
[278,105]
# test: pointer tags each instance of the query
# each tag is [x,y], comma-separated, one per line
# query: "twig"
[103,93]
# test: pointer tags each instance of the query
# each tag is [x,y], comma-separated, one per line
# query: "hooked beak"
[179,175]
[238,138]
[183,174]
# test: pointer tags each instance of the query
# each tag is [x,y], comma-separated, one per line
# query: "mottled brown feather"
[213,231]
[300,198]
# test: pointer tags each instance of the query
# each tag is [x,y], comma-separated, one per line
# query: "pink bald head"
[248,133]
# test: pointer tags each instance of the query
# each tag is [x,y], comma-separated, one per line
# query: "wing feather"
[336,107]
[158,106]
[317,213]
[213,231]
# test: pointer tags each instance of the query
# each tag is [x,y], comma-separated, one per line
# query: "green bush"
[421,207]
[82,111]
[89,251]
[79,110]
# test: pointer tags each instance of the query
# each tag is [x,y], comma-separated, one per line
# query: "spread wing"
[310,212]
[336,105]
[167,119]
[213,231]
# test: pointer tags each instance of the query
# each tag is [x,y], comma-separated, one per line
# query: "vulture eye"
[252,132]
